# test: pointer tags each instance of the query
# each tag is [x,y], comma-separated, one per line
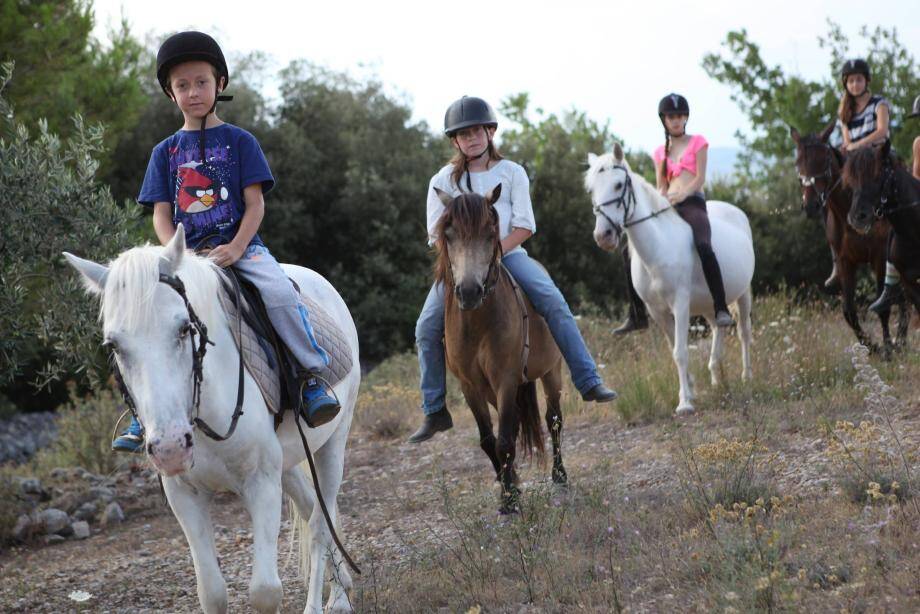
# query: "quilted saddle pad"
[264,368]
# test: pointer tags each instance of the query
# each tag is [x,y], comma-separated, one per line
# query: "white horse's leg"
[744,333]
[716,353]
[262,497]
[193,511]
[682,357]
[330,464]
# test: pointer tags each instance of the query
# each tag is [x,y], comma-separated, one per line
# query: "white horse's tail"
[301,536]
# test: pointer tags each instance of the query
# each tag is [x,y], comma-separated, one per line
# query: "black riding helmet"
[468,111]
[673,104]
[189,47]
[856,66]
[193,46]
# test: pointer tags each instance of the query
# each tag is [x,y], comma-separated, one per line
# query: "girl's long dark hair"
[847,108]
[461,164]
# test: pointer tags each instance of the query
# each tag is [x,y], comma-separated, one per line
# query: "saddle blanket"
[264,369]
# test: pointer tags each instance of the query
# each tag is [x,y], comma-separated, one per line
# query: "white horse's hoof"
[684,410]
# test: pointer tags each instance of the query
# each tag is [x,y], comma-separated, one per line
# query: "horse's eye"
[185,330]
[110,346]
[619,185]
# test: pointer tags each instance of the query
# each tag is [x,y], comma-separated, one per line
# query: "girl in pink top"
[681,172]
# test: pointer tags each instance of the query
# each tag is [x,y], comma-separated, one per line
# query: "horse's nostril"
[608,233]
[150,449]
[188,440]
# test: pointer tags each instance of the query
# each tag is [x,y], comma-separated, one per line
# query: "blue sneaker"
[131,440]
[319,407]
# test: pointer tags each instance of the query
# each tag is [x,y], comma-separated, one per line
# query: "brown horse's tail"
[531,423]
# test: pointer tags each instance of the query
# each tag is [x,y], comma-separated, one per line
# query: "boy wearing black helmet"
[210,177]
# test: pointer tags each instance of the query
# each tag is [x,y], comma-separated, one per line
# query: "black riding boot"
[713,275]
[638,316]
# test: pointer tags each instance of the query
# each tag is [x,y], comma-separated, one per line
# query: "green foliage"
[773,100]
[554,152]
[352,172]
[50,202]
[84,439]
[62,70]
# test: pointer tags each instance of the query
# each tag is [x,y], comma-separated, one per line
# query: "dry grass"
[776,496]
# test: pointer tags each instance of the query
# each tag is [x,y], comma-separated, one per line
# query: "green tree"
[62,69]
[772,99]
[351,171]
[51,201]
[554,150]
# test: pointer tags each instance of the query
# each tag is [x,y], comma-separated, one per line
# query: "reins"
[627,199]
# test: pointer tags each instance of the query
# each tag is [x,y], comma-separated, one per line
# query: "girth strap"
[519,297]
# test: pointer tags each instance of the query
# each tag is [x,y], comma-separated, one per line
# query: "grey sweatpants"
[289,317]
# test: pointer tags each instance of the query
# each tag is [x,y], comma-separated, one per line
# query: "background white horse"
[146,324]
[666,269]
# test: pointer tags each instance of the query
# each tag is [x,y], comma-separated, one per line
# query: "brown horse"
[820,168]
[496,345]
[884,188]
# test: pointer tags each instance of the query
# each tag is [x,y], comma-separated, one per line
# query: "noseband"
[626,198]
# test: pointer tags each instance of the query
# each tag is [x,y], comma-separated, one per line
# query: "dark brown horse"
[496,344]
[820,168]
[883,188]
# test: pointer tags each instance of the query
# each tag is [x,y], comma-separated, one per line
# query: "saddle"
[266,358]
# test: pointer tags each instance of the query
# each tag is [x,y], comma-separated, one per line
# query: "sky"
[613,60]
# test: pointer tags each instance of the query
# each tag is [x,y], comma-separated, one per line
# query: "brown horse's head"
[469,247]
[865,173]
[818,165]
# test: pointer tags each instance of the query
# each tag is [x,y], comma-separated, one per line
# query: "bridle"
[626,198]
[888,191]
[198,335]
[828,175]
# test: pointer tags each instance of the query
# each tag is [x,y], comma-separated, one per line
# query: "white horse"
[147,325]
[666,270]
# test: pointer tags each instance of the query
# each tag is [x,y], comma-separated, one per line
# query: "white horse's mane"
[606,162]
[134,276]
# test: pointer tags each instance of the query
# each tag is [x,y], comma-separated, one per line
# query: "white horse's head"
[148,328]
[607,181]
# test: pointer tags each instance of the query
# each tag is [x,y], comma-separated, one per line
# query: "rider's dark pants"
[693,211]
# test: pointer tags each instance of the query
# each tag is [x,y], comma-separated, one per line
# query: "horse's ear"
[444,196]
[794,134]
[175,249]
[494,194]
[826,133]
[617,152]
[592,158]
[92,273]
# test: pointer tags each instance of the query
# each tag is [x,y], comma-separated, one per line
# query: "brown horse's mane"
[865,164]
[468,216]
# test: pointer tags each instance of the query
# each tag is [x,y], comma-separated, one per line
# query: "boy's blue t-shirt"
[206,198]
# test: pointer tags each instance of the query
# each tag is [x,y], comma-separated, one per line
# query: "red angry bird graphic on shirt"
[198,192]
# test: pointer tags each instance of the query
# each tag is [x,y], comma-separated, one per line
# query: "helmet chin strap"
[468,159]
[218,97]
